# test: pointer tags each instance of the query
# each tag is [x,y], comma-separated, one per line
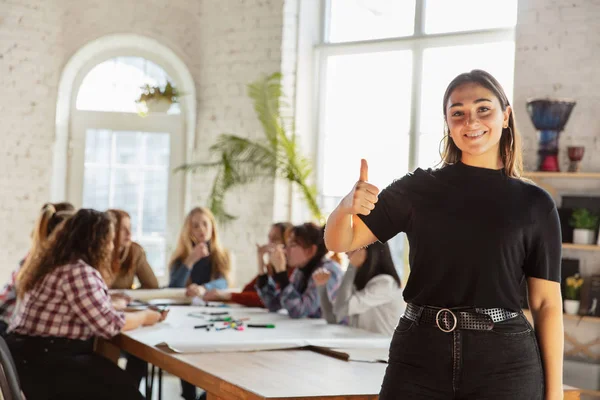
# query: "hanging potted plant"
[584,223]
[572,294]
[155,99]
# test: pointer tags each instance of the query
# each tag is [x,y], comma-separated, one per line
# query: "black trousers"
[501,364]
[58,368]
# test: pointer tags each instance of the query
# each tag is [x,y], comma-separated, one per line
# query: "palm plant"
[239,160]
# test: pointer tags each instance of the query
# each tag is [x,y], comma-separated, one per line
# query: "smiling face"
[475,121]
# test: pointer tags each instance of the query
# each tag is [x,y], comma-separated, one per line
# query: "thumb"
[364,170]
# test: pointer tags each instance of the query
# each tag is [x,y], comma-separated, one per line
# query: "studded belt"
[447,320]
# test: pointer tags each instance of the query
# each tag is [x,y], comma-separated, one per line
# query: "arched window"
[120,159]
[115,85]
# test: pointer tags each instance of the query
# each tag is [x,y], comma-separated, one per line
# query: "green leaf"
[239,160]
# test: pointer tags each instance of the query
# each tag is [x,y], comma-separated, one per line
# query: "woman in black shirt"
[476,231]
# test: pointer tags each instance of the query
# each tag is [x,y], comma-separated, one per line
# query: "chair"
[9,379]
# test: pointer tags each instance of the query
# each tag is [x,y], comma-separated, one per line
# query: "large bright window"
[385,65]
[130,171]
[122,160]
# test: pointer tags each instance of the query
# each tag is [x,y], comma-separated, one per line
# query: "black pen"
[203,326]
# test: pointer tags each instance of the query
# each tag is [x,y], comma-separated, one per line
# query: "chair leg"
[159,384]
[150,383]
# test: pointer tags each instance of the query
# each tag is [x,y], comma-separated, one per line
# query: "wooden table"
[276,374]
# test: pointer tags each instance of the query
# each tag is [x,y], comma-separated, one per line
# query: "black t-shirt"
[474,235]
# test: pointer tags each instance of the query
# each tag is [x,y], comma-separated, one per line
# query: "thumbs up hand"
[362,198]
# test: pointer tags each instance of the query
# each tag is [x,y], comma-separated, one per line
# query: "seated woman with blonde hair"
[199,263]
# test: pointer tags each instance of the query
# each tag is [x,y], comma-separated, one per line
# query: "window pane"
[495,58]
[98,146]
[467,15]
[157,150]
[355,20]
[115,84]
[133,175]
[367,115]
[96,187]
[155,254]
[155,202]
[128,148]
[126,193]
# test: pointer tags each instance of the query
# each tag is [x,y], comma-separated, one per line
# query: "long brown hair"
[51,215]
[122,262]
[510,141]
[86,236]
[219,257]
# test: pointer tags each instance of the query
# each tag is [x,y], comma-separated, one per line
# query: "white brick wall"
[225,44]
[558,55]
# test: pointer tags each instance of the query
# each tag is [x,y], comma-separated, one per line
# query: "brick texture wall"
[558,55]
[225,44]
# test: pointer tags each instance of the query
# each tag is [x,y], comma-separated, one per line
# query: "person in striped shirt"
[304,251]
[63,305]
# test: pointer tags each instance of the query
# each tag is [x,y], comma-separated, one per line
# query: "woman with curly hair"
[63,305]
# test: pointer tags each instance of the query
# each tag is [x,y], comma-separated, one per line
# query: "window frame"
[173,124]
[417,43]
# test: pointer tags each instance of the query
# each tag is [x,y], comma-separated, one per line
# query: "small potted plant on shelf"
[157,99]
[584,223]
[572,294]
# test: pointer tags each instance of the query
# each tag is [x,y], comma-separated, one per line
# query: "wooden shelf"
[586,247]
[568,175]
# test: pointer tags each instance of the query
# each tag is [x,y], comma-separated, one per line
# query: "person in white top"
[370,295]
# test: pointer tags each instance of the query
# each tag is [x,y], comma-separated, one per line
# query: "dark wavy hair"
[510,141]
[306,235]
[379,261]
[85,236]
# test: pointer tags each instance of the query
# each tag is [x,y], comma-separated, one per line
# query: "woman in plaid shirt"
[63,305]
[305,251]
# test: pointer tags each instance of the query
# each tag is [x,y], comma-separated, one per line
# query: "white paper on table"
[152,294]
[178,333]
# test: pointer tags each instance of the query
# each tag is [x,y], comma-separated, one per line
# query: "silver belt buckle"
[437,320]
